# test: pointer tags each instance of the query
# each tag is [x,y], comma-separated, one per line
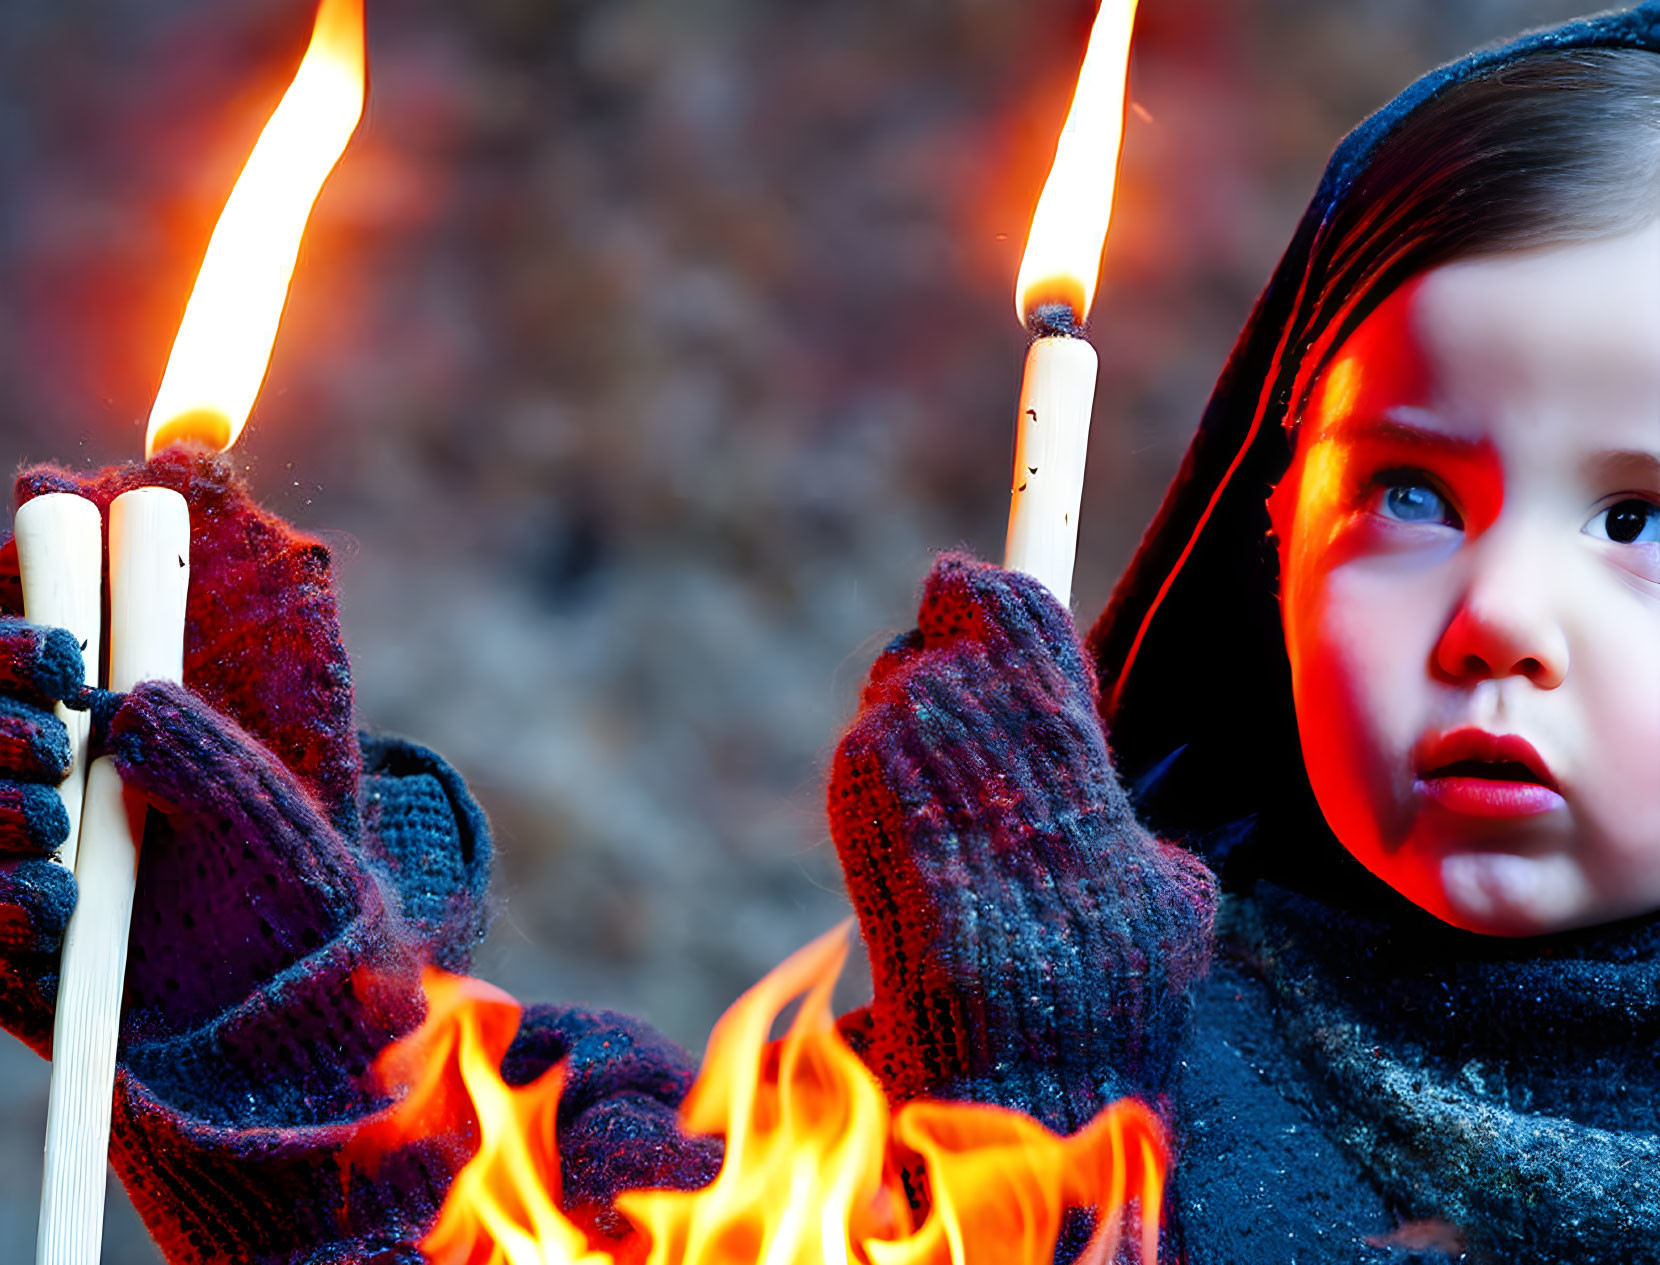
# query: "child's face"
[1470,560]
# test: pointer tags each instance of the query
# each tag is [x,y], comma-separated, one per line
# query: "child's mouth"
[1492,770]
[1489,788]
[1477,774]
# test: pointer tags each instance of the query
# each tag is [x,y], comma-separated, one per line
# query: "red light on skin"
[1489,798]
[1472,773]
[1371,414]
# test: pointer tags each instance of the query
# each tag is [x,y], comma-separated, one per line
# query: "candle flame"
[224,343]
[1069,228]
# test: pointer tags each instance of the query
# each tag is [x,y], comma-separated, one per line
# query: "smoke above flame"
[816,1167]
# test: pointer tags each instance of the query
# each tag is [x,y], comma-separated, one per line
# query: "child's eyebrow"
[1621,461]
[1398,433]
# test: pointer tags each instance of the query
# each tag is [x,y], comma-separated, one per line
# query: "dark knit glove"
[267,970]
[37,667]
[262,645]
[1031,944]
[270,958]
[619,1122]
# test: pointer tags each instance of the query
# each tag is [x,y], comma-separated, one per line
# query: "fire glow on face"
[224,342]
[814,1169]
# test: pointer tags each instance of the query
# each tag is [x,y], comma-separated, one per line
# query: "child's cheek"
[1360,699]
[1617,799]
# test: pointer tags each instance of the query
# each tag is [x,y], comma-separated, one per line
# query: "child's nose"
[1504,625]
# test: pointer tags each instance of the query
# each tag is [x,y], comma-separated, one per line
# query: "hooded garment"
[1357,1065]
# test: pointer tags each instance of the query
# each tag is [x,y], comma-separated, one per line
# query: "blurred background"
[640,354]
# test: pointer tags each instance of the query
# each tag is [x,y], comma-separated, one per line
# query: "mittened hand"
[262,631]
[244,877]
[265,972]
[1030,943]
[38,666]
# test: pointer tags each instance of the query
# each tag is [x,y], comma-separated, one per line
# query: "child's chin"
[1504,894]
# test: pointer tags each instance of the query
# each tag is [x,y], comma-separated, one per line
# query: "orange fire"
[224,343]
[1069,227]
[815,1167]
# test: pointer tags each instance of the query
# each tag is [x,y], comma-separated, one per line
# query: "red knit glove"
[268,970]
[262,645]
[1031,944]
[267,962]
[262,632]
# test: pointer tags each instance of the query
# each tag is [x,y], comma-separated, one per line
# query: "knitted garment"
[618,1122]
[232,1119]
[279,930]
[37,666]
[276,947]
[262,634]
[425,835]
[1507,1087]
[1031,944]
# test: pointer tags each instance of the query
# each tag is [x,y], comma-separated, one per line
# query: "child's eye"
[1407,497]
[1628,522]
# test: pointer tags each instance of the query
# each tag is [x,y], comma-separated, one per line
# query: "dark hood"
[1195,684]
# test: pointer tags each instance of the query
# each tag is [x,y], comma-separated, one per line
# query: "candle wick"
[1054,320]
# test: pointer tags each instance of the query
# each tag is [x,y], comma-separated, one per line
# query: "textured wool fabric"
[262,633]
[429,839]
[618,1122]
[37,667]
[1031,944]
[1506,1087]
[232,1134]
[1353,1082]
[276,946]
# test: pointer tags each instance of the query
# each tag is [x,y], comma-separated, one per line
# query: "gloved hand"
[268,968]
[1030,942]
[270,958]
[37,667]
[262,632]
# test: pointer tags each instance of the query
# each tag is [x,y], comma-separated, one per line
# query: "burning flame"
[224,343]
[815,1169]
[1069,227]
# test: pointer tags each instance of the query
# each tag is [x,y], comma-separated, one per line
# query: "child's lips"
[1489,797]
[1478,774]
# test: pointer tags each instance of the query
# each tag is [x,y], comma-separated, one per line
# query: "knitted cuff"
[428,837]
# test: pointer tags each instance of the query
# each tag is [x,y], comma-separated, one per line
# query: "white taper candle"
[1051,443]
[60,557]
[149,580]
